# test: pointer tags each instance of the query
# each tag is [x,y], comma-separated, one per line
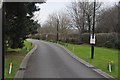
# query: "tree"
[57,23]
[109,20]
[18,23]
[81,13]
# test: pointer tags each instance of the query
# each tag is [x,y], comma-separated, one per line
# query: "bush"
[109,40]
[85,38]
[73,41]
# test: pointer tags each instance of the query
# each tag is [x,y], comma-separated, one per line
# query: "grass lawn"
[101,58]
[15,56]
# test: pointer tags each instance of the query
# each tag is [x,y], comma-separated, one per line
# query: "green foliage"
[18,23]
[27,45]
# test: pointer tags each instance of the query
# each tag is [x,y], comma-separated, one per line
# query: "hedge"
[109,40]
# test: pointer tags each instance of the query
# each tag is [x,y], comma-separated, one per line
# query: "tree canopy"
[18,23]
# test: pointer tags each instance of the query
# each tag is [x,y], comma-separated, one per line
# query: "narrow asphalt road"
[52,61]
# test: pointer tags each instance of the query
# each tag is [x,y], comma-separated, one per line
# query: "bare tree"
[81,13]
[64,22]
[109,20]
[58,23]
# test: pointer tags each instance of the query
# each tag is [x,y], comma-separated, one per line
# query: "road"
[52,61]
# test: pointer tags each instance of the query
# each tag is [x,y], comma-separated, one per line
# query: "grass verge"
[15,56]
[101,58]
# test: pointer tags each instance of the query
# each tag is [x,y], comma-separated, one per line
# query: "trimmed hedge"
[109,40]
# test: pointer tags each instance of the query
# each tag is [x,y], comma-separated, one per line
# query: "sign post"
[93,36]
[92,42]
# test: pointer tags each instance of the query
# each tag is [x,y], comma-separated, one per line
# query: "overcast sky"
[56,5]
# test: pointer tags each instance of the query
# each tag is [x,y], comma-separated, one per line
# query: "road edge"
[23,65]
[104,74]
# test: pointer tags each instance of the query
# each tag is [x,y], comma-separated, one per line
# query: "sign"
[92,40]
[46,35]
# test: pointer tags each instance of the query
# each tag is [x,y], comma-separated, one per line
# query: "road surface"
[52,61]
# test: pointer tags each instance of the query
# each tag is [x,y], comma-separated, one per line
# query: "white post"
[110,67]
[10,68]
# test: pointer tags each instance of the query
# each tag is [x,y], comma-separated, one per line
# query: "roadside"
[51,61]
[101,59]
[15,56]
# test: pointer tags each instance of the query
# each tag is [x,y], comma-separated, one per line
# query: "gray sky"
[48,8]
[56,5]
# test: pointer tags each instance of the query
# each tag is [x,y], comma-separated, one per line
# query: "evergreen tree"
[18,23]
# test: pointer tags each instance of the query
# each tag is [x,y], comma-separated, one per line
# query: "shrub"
[109,40]
[85,38]
[73,40]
